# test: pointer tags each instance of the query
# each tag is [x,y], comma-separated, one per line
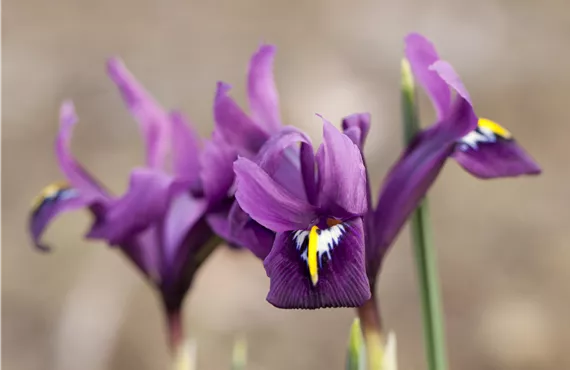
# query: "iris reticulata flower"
[161,221]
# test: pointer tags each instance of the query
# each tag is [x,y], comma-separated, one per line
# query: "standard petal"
[262,94]
[77,176]
[267,202]
[358,122]
[234,126]
[490,152]
[411,177]
[421,54]
[289,159]
[153,120]
[341,281]
[186,147]
[342,176]
[53,200]
[216,170]
[144,204]
[447,73]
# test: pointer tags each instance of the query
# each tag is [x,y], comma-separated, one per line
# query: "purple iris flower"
[317,258]
[489,150]
[481,146]
[161,222]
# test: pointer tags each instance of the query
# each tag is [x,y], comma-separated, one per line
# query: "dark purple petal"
[145,203]
[153,120]
[234,126]
[501,158]
[186,147]
[341,281]
[53,200]
[262,94]
[421,55]
[77,176]
[342,176]
[411,177]
[267,202]
[217,173]
[356,126]
[290,165]
[249,234]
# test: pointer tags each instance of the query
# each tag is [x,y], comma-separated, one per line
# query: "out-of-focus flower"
[160,223]
[317,259]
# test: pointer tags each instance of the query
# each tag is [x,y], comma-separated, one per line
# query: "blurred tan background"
[503,245]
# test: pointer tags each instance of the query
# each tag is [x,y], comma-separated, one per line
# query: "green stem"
[371,326]
[426,260]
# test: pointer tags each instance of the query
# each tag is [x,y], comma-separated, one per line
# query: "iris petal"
[216,170]
[287,163]
[234,126]
[145,203]
[249,234]
[153,120]
[421,54]
[342,176]
[262,94]
[267,202]
[358,122]
[77,176]
[341,278]
[186,147]
[53,200]
[491,152]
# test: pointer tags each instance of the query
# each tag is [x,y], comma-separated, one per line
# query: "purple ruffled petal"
[341,281]
[421,54]
[234,126]
[342,176]
[501,158]
[356,127]
[77,176]
[186,147]
[262,94]
[54,200]
[217,173]
[267,202]
[411,177]
[153,120]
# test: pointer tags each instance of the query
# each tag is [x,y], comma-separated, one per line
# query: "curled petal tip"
[67,113]
[222,88]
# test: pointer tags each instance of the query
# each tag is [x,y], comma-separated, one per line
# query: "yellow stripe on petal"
[312,259]
[495,128]
[48,192]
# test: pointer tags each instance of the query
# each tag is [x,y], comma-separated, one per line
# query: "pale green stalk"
[426,261]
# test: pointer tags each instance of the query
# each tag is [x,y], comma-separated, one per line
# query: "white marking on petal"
[477,136]
[328,239]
